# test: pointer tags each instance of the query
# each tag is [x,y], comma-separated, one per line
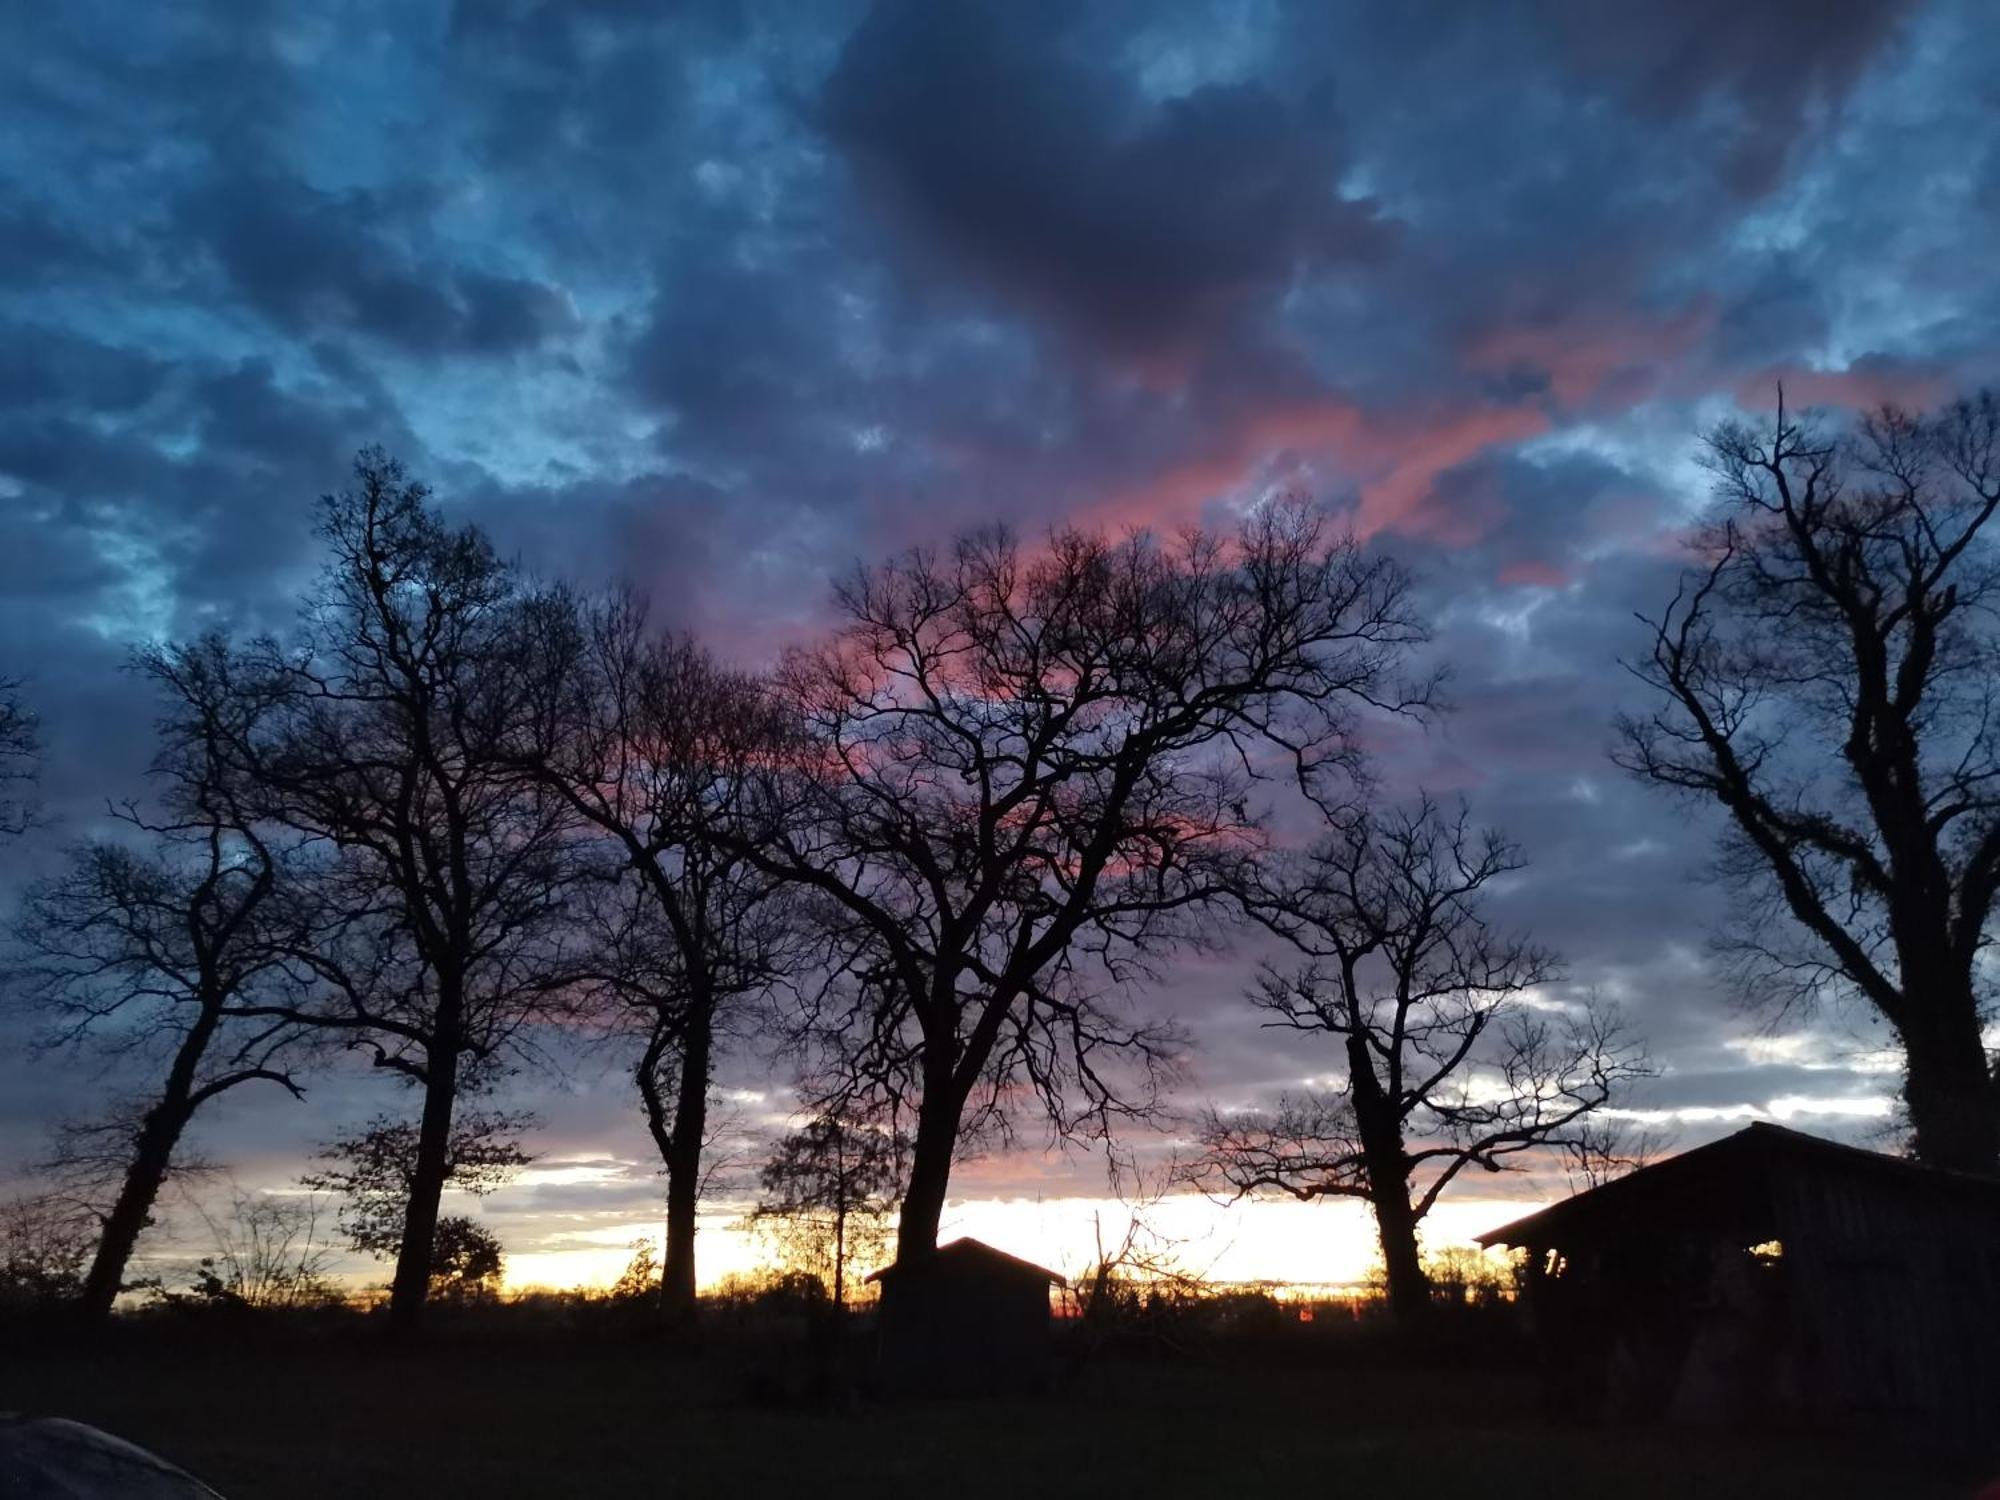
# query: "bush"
[45,1248]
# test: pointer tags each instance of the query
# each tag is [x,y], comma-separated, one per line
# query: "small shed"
[965,1320]
[1774,1277]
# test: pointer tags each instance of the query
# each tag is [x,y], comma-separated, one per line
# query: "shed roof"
[1759,1147]
[970,1255]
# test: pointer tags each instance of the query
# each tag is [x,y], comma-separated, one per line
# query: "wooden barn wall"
[1895,1302]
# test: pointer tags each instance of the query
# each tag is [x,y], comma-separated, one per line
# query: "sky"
[717,299]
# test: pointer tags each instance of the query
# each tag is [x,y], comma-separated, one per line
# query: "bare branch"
[1828,678]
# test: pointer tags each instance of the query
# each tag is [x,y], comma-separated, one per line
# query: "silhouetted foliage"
[1830,675]
[45,1245]
[269,1251]
[640,1280]
[1137,1288]
[827,1193]
[267,1255]
[466,1261]
[1461,1276]
[1442,1065]
[370,1170]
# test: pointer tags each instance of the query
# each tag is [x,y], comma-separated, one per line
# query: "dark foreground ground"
[544,1419]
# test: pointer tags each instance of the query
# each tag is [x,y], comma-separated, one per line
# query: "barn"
[966,1320]
[1774,1277]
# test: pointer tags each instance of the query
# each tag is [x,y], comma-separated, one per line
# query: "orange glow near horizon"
[1320,1244]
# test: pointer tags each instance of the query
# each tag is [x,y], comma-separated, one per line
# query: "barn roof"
[1751,1153]
[976,1256]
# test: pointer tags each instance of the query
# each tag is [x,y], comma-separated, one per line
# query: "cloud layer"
[716,299]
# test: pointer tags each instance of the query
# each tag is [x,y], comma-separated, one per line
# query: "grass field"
[549,1418]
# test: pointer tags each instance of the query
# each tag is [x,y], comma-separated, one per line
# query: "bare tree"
[1144,1272]
[1608,1146]
[1828,675]
[648,739]
[176,951]
[1443,1064]
[1019,778]
[266,1253]
[20,760]
[828,1191]
[446,887]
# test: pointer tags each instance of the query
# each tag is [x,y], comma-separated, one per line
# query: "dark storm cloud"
[1671,62]
[315,263]
[717,300]
[33,242]
[61,368]
[1540,522]
[1040,166]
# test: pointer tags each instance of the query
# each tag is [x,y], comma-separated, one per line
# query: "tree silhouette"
[371,1171]
[466,1261]
[1019,777]
[179,950]
[446,893]
[1442,1066]
[1828,676]
[649,740]
[828,1191]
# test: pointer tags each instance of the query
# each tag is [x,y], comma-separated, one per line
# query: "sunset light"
[999,747]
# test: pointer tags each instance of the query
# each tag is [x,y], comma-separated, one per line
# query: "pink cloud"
[1394,459]
[1533,574]
[1871,381]
[1595,354]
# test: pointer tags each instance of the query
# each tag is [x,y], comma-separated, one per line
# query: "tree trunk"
[1949,1088]
[839,1216]
[683,1162]
[410,1288]
[1396,1226]
[153,1152]
[840,1255]
[1379,1123]
[152,1155]
[930,1173]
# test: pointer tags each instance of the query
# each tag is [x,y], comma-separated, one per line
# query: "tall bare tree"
[649,740]
[1828,676]
[174,946]
[20,759]
[447,882]
[1443,1065]
[1021,775]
